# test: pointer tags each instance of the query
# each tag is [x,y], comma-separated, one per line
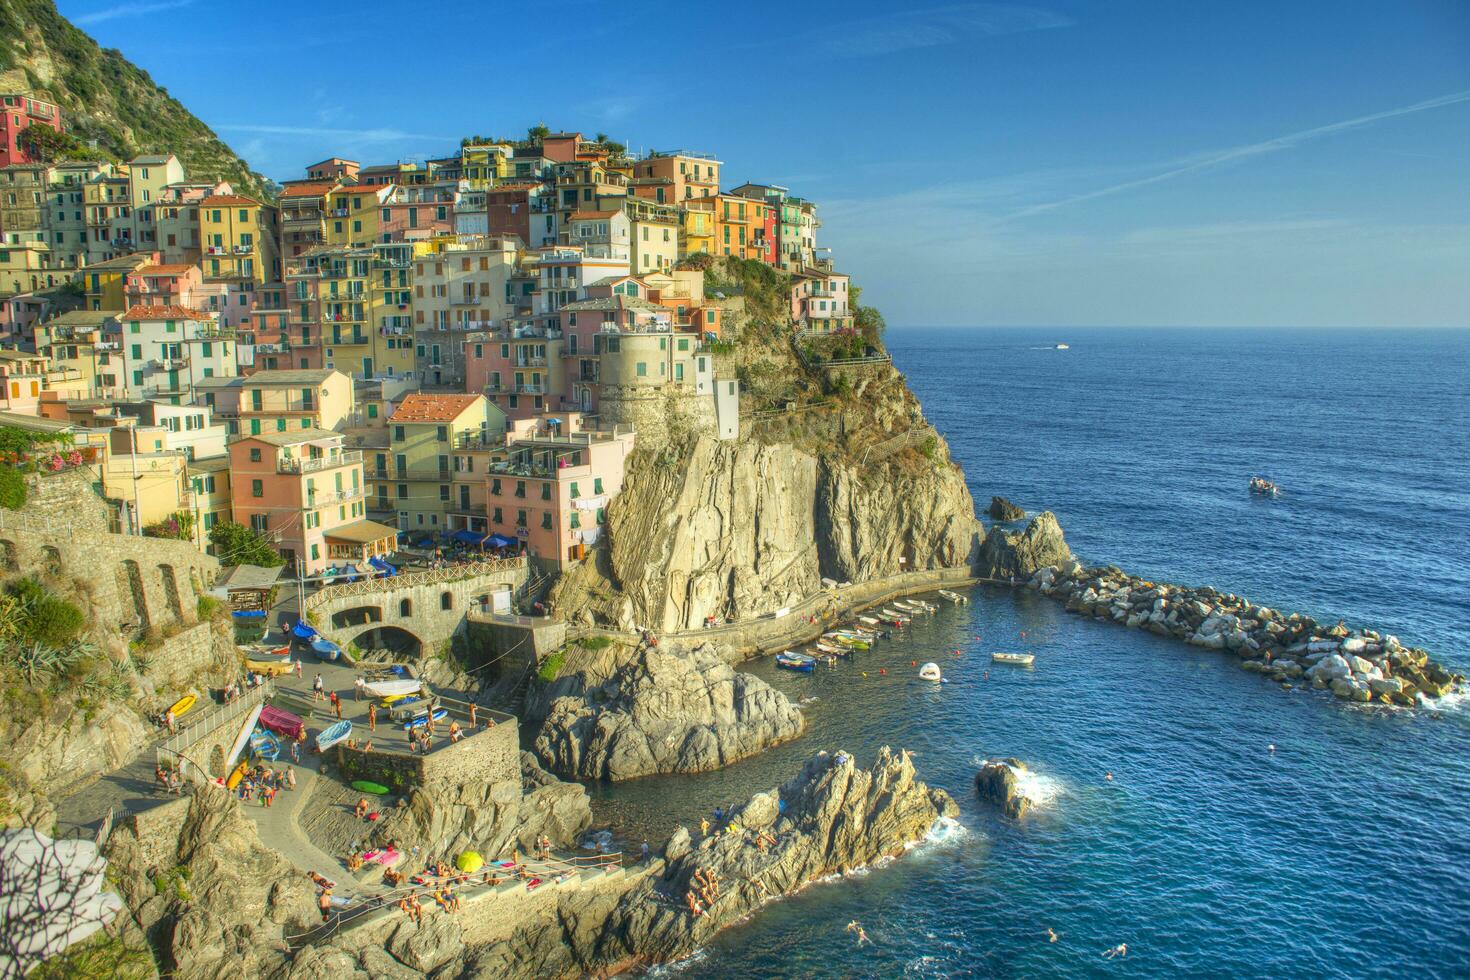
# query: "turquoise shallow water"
[1344,853]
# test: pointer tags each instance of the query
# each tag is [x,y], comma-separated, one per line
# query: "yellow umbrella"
[469,862]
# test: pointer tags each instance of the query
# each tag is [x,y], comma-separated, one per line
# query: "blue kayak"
[331,736]
[419,721]
[303,630]
[265,745]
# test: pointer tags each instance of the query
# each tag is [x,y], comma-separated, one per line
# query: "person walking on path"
[336,705]
[318,687]
[372,717]
[297,667]
[357,686]
[296,752]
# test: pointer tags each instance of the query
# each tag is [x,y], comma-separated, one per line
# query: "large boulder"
[665,712]
[998,782]
[1001,509]
[1006,555]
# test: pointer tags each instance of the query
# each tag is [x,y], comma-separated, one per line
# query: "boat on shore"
[1019,659]
[333,734]
[790,660]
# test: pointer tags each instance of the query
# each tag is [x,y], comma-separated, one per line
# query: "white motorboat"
[1019,659]
[930,672]
[954,597]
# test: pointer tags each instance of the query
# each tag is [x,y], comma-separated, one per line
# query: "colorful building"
[424,431]
[239,236]
[819,301]
[283,401]
[689,175]
[166,348]
[18,112]
[304,492]
[462,288]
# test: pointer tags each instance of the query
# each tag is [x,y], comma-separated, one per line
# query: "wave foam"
[1041,789]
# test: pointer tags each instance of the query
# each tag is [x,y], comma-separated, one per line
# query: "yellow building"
[355,214]
[424,432]
[80,346]
[482,164]
[390,298]
[210,481]
[105,282]
[697,227]
[239,238]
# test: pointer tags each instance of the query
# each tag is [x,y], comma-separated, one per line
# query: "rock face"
[495,817]
[665,712]
[1001,509]
[1007,555]
[831,818]
[1354,664]
[742,528]
[998,782]
[212,898]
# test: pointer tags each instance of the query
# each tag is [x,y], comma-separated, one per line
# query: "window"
[498,518]
[546,520]
[444,492]
[254,455]
[520,488]
[642,370]
[446,600]
[601,512]
[520,518]
[398,433]
[442,433]
[576,521]
[137,352]
[546,491]
[575,491]
[597,485]
[257,488]
[403,491]
[405,606]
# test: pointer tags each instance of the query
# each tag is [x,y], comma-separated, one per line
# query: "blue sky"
[1112,162]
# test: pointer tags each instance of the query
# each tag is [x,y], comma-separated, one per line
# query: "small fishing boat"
[237,774]
[894,618]
[394,688]
[930,672]
[265,652]
[795,661]
[265,745]
[869,620]
[304,630]
[422,718]
[270,668]
[1262,487]
[833,649]
[846,640]
[325,649]
[329,737]
[1063,347]
[954,597]
[1019,659]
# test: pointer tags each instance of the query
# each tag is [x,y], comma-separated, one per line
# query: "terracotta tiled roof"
[418,407]
[309,190]
[164,313]
[178,269]
[229,201]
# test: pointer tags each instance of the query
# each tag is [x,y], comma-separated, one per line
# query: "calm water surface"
[1344,853]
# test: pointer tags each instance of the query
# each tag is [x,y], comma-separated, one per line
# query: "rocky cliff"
[1005,554]
[665,712]
[835,475]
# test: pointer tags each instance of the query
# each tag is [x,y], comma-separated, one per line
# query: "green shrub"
[596,643]
[12,488]
[44,617]
[236,544]
[208,607]
[551,666]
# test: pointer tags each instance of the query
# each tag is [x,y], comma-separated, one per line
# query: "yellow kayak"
[182,705]
[237,775]
[272,669]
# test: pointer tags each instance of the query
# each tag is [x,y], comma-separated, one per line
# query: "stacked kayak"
[422,718]
[329,737]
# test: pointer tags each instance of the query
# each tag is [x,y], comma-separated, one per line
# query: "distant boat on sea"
[1063,347]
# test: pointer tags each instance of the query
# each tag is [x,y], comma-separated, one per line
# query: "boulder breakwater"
[1361,665]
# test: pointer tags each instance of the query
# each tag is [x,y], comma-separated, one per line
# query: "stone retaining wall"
[157,830]
[491,755]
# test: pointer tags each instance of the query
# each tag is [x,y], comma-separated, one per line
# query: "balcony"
[244,249]
[528,362]
[330,498]
[316,464]
[297,406]
[339,212]
[169,363]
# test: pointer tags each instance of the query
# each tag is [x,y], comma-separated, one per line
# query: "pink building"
[18,112]
[418,212]
[304,492]
[551,493]
[159,284]
[819,301]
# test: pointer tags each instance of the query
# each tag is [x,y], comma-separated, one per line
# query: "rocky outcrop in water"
[665,712]
[1007,554]
[1355,664]
[1001,509]
[213,900]
[999,782]
[831,818]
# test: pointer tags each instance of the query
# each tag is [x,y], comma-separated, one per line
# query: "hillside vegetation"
[106,98]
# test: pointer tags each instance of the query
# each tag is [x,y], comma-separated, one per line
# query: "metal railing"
[206,724]
[316,463]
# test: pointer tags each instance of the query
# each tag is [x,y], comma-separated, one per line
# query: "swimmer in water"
[862,937]
[1109,777]
[1271,747]
[1051,935]
[1119,950]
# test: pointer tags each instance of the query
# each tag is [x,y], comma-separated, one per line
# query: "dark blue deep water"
[1344,853]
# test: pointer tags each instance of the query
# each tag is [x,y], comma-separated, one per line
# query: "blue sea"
[1345,852]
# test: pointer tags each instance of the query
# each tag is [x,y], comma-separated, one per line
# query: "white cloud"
[1207,161]
[129,10]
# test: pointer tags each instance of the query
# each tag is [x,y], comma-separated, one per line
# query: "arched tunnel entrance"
[394,640]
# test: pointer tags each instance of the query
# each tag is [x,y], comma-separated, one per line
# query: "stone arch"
[171,592]
[131,583]
[405,608]
[397,639]
[7,556]
[356,616]
[446,600]
[217,761]
[51,560]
